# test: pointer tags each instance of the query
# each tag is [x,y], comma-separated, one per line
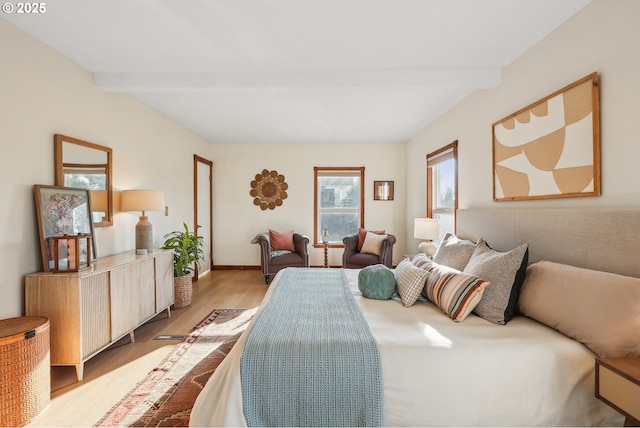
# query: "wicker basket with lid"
[25,373]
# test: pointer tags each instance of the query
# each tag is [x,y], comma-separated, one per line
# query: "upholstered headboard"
[601,239]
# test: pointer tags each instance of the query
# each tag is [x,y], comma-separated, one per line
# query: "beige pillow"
[599,309]
[410,281]
[362,233]
[372,243]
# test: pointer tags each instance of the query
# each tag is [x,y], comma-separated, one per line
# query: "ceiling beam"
[436,78]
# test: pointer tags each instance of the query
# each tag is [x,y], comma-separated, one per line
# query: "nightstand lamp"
[143,200]
[427,229]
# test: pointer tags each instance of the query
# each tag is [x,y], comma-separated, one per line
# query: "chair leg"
[266,279]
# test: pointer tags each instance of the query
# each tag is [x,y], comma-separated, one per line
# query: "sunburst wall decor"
[268,189]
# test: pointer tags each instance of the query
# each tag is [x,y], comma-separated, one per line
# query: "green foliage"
[187,249]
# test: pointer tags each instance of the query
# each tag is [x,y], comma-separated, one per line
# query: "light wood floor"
[115,371]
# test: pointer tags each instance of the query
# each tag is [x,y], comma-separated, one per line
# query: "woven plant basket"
[182,288]
[25,385]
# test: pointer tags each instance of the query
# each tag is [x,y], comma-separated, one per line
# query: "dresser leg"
[80,371]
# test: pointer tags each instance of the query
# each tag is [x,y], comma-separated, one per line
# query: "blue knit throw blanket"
[310,359]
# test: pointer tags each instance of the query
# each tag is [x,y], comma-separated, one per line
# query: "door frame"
[198,159]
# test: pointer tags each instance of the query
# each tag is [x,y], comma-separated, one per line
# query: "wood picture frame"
[551,148]
[383,190]
[60,211]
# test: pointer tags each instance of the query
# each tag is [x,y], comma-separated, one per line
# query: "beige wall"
[43,93]
[603,37]
[237,220]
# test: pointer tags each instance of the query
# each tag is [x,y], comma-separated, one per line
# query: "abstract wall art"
[551,148]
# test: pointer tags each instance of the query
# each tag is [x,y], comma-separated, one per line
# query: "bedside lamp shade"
[143,200]
[427,229]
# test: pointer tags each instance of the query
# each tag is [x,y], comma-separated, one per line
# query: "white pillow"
[410,281]
[372,243]
[599,309]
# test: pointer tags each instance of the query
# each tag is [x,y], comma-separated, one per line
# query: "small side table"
[25,372]
[618,385]
[326,254]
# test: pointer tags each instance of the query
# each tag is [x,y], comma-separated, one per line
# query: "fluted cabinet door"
[94,313]
[91,309]
[164,281]
[124,301]
[146,297]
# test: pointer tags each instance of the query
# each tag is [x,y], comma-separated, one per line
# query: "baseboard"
[250,267]
[236,267]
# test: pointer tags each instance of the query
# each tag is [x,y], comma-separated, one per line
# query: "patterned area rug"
[166,396]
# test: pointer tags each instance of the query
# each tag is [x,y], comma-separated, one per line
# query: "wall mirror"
[86,165]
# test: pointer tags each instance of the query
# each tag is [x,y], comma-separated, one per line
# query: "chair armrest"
[300,242]
[350,247]
[265,251]
[386,251]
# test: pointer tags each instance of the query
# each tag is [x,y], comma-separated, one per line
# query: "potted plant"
[187,252]
[325,235]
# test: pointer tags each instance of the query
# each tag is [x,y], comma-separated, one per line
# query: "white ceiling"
[282,71]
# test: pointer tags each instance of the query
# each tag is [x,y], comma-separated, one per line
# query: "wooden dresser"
[91,309]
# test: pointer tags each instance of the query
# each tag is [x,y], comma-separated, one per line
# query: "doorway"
[203,209]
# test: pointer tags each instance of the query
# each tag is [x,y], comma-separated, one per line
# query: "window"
[442,186]
[339,203]
[85,177]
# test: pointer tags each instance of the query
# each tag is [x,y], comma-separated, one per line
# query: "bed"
[437,372]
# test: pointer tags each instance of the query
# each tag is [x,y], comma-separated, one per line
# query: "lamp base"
[144,234]
[429,248]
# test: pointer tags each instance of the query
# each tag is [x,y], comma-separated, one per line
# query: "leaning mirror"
[88,166]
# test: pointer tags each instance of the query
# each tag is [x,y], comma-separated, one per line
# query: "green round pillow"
[377,282]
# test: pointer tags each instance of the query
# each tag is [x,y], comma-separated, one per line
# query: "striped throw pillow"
[456,293]
[410,281]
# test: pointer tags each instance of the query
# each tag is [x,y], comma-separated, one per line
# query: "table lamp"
[143,200]
[427,229]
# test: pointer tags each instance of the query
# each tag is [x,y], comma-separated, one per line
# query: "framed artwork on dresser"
[551,148]
[61,211]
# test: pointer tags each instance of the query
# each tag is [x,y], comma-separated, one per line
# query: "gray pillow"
[454,252]
[505,272]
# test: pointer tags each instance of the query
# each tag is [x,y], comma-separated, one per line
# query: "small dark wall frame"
[383,190]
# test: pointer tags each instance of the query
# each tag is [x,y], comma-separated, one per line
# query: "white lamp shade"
[142,200]
[426,228]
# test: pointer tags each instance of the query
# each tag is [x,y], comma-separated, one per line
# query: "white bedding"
[441,373]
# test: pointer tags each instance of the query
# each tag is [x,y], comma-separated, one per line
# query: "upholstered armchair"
[274,260]
[356,259]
